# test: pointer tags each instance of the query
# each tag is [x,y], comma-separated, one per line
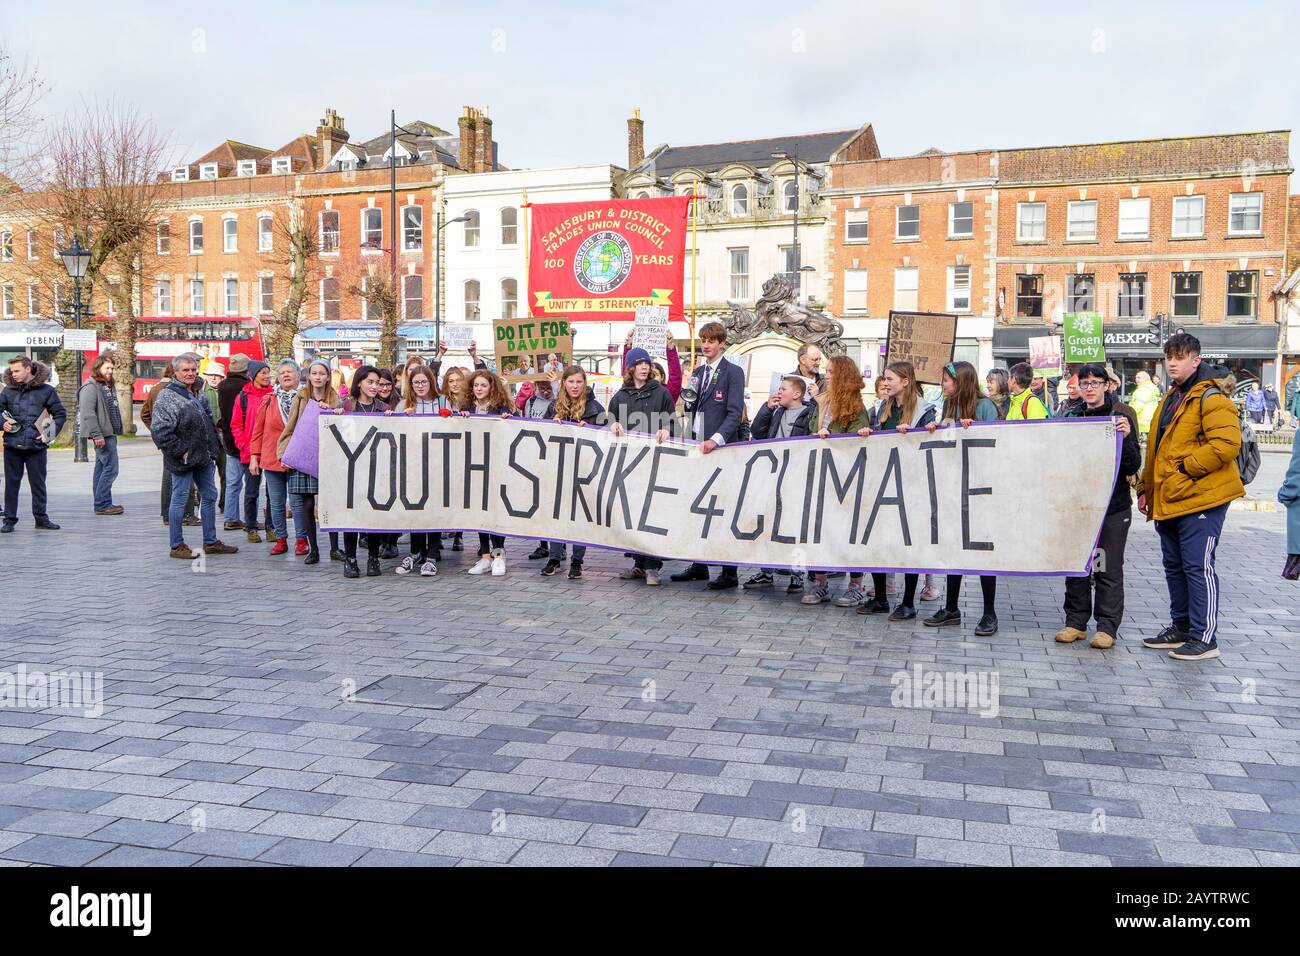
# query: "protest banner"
[926,339]
[1045,356]
[651,331]
[1083,338]
[303,451]
[458,337]
[598,261]
[527,348]
[920,501]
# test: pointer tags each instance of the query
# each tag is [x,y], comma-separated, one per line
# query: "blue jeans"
[555,551]
[206,479]
[234,486]
[105,472]
[252,485]
[277,487]
[298,504]
[1188,545]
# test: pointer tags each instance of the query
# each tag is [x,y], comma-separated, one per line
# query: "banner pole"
[695,253]
[528,235]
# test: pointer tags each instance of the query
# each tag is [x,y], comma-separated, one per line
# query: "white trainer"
[483,567]
[406,567]
[498,564]
[428,569]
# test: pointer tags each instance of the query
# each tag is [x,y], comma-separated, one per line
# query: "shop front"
[1248,351]
[39,341]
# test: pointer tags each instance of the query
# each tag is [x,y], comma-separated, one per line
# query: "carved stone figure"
[777,311]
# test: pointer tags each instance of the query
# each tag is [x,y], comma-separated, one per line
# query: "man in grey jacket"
[184,432]
[101,423]
[27,396]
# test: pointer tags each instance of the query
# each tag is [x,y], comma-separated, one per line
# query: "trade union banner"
[994,498]
[600,260]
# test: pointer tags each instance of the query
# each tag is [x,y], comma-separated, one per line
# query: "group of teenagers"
[256,411]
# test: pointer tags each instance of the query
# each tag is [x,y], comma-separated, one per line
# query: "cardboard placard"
[526,347]
[1045,355]
[458,337]
[926,339]
[651,331]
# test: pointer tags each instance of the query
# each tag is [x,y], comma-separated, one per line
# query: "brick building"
[220,249]
[1195,228]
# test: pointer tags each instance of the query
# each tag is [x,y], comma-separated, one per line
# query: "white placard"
[651,330]
[458,336]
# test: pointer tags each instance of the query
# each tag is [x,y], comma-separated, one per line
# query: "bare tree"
[375,287]
[21,89]
[99,183]
[297,261]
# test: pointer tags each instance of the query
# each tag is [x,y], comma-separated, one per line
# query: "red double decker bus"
[162,338]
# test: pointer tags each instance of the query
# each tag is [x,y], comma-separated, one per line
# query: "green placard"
[1083,338]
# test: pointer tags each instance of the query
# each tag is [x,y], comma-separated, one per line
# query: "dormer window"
[282,164]
[181,174]
[740,201]
[208,171]
[347,164]
[246,167]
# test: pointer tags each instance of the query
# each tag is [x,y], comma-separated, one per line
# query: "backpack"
[1248,456]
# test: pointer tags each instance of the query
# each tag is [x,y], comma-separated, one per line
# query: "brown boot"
[1102,641]
[1068,635]
[219,547]
[183,552]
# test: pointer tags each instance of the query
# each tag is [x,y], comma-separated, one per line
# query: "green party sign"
[1083,338]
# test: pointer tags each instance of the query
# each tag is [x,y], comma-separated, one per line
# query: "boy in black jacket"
[1101,594]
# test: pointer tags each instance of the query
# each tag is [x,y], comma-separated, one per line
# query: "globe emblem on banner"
[602,262]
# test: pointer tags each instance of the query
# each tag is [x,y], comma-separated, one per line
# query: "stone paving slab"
[616,726]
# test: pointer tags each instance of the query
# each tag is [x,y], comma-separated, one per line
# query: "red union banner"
[600,260]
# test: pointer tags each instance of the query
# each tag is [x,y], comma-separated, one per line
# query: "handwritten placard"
[651,330]
[525,347]
[459,336]
[926,339]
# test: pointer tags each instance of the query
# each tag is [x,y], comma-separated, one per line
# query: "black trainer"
[1172,636]
[350,568]
[1195,649]
[551,567]
[575,570]
[372,568]
[539,552]
[943,618]
[695,572]
[456,542]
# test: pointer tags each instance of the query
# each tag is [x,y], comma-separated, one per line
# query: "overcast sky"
[560,78]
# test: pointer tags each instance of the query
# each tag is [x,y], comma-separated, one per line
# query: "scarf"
[285,400]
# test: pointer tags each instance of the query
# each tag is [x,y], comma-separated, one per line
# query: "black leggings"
[487,543]
[988,585]
[350,545]
[909,588]
[422,542]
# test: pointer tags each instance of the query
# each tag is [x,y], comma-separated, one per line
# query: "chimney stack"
[330,135]
[635,140]
[468,137]
[482,145]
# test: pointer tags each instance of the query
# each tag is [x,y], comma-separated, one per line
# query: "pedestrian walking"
[101,423]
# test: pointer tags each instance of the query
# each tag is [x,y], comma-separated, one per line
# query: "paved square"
[618,725]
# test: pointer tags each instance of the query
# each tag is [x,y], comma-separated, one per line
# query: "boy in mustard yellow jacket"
[1189,477]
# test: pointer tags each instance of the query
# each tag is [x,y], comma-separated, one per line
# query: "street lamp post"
[439,226]
[76,259]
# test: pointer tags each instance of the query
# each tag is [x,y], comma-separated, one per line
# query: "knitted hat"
[635,356]
[239,362]
[254,366]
